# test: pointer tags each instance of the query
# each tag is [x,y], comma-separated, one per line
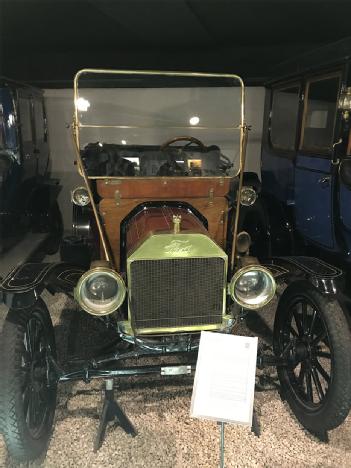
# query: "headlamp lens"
[248,196]
[100,287]
[80,196]
[100,292]
[253,288]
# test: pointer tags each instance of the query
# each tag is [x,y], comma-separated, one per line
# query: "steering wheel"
[190,139]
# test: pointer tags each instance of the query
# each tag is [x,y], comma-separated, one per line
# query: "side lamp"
[345,99]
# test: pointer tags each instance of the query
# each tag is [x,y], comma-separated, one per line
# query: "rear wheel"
[312,333]
[27,386]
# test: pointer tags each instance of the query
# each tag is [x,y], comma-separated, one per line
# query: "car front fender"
[327,278]
[25,283]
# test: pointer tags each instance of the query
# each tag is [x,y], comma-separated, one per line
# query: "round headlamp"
[252,287]
[80,196]
[100,291]
[248,196]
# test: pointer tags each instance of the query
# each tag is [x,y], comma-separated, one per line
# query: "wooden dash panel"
[166,187]
[112,214]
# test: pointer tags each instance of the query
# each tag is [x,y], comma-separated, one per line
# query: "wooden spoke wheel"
[312,333]
[27,385]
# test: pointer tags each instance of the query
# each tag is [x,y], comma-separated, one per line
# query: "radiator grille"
[176,292]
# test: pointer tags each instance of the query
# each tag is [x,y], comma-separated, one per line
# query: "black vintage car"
[28,195]
[157,256]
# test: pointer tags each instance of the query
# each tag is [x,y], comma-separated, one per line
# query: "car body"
[156,255]
[306,158]
[27,192]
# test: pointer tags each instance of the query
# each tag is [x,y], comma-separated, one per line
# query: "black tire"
[311,331]
[23,383]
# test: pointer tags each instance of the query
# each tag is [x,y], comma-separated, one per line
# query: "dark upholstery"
[145,161]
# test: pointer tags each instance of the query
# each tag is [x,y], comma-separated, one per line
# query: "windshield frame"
[77,124]
[243,128]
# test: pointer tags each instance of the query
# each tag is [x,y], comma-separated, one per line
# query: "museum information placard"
[224,383]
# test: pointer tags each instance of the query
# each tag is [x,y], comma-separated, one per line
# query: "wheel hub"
[304,350]
[301,351]
[38,370]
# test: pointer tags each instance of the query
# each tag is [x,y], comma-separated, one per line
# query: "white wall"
[157,104]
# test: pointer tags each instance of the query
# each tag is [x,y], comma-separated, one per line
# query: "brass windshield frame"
[76,136]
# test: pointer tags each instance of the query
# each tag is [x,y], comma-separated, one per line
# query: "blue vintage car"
[302,215]
[305,200]
[28,195]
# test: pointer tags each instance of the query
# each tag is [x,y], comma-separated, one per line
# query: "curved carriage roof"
[4,81]
[323,57]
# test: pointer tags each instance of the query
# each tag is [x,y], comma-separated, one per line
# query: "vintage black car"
[157,256]
[28,195]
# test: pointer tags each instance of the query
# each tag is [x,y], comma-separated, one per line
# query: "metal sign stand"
[224,384]
[111,412]
[255,428]
[221,463]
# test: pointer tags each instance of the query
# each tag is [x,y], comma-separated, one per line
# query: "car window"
[25,119]
[319,114]
[284,115]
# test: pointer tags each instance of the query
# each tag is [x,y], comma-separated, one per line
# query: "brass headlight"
[80,196]
[252,287]
[100,291]
[248,196]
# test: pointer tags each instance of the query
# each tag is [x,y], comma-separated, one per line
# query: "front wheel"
[311,332]
[27,386]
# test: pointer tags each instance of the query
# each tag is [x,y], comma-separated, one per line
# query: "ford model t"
[157,256]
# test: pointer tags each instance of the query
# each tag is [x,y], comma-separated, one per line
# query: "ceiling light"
[82,104]
[194,120]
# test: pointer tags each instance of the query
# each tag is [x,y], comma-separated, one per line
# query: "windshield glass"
[151,125]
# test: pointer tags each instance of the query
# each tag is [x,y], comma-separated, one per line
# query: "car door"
[344,190]
[314,168]
[29,160]
[41,148]
[27,137]
[14,220]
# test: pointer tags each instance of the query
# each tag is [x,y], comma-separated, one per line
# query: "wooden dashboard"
[120,196]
